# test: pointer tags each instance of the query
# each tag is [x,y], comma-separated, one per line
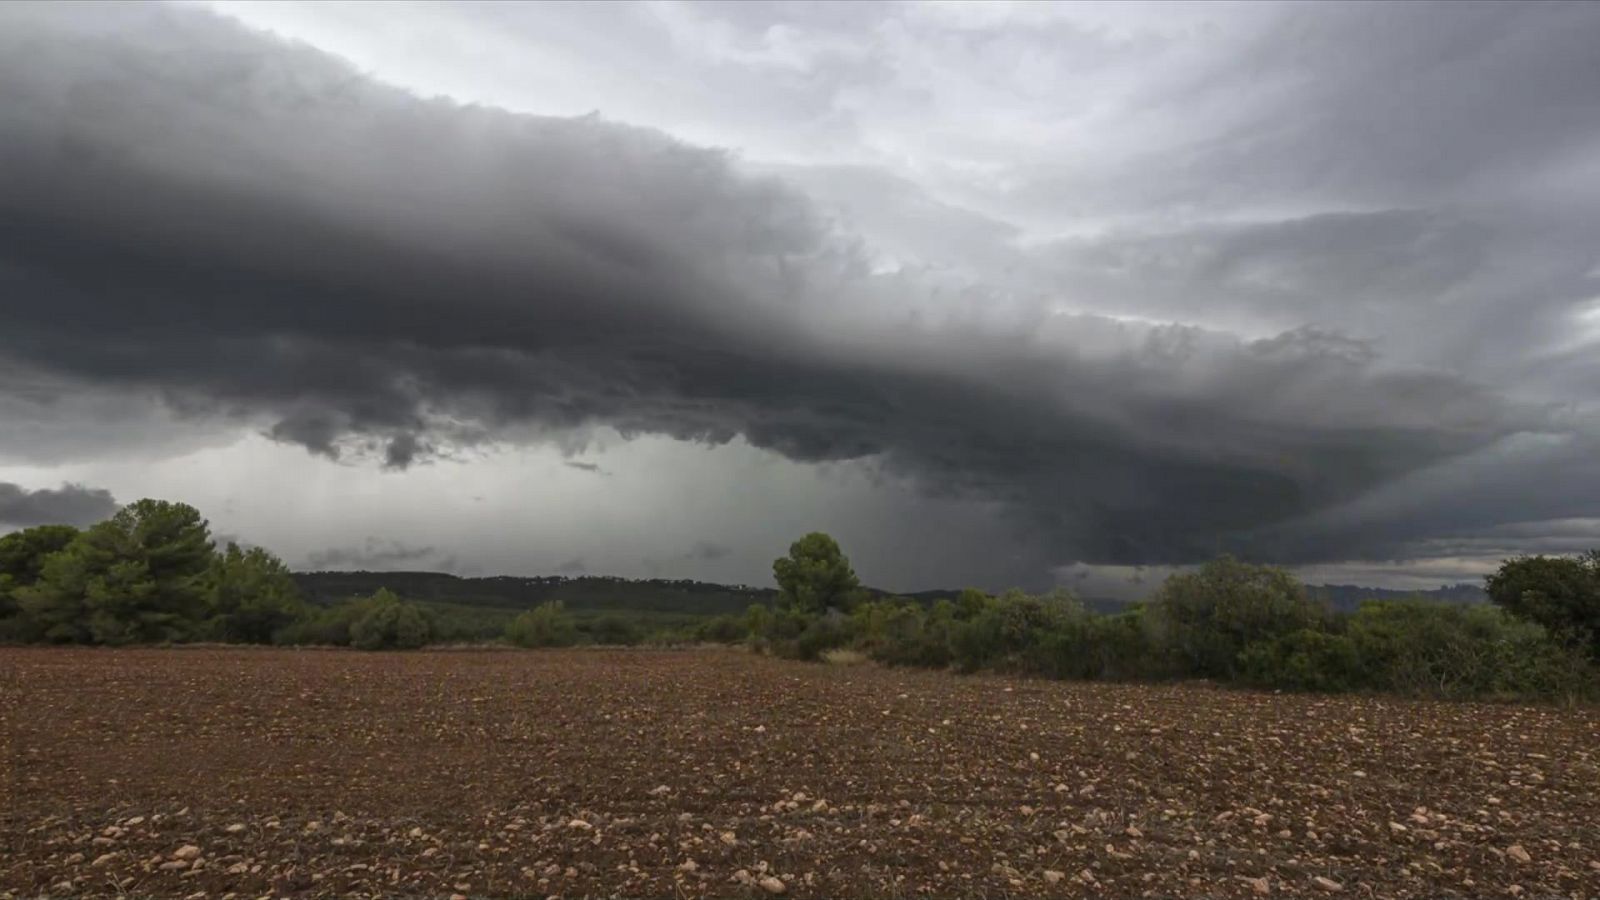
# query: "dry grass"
[845,657]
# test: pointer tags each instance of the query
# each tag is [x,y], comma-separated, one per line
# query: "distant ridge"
[664,595]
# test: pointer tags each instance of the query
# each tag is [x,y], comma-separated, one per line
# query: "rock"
[1516,852]
[1258,886]
[660,790]
[1327,884]
[235,828]
[74,859]
[187,851]
[1005,871]
[458,897]
[237,868]
[729,838]
[176,865]
[772,885]
[103,858]
[580,825]
[1051,876]
[688,865]
[1397,828]
[1134,832]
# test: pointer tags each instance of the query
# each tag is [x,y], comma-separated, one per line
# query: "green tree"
[1206,618]
[390,623]
[251,596]
[815,575]
[22,556]
[137,577]
[546,625]
[1559,592]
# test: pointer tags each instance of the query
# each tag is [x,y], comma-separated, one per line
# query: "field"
[209,772]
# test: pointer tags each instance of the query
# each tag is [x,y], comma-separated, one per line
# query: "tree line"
[1227,621]
[153,574]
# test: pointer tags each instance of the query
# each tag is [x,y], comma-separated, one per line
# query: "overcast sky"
[996,294]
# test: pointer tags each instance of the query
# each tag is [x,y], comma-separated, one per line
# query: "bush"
[390,623]
[1203,620]
[546,625]
[1442,650]
[725,629]
[612,630]
[1305,660]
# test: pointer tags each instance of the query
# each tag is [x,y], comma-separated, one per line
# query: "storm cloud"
[1292,307]
[70,504]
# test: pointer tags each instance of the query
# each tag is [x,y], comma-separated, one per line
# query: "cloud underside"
[251,232]
[70,504]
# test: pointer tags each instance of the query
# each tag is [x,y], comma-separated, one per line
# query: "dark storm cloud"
[256,233]
[374,554]
[70,504]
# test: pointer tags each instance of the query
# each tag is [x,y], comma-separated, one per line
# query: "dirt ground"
[223,772]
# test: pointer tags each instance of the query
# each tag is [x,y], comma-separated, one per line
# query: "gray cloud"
[378,555]
[1292,335]
[707,550]
[70,504]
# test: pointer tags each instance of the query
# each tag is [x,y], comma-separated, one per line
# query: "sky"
[997,294]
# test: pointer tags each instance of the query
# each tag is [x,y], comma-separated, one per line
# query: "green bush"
[546,625]
[390,623]
[612,630]
[1305,660]
[1203,620]
[725,629]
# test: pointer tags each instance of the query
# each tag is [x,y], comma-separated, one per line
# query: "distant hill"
[589,593]
[602,593]
[1347,597]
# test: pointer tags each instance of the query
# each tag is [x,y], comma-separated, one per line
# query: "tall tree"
[22,556]
[136,577]
[1562,593]
[815,575]
[251,595]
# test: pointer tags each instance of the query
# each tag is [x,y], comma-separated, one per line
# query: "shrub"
[1305,660]
[390,623]
[546,625]
[1203,620]
[725,629]
[613,630]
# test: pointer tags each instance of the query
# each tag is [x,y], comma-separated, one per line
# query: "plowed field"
[211,772]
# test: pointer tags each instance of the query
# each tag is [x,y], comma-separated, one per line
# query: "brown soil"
[659,774]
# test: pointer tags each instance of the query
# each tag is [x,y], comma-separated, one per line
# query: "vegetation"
[151,573]
[815,576]
[546,625]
